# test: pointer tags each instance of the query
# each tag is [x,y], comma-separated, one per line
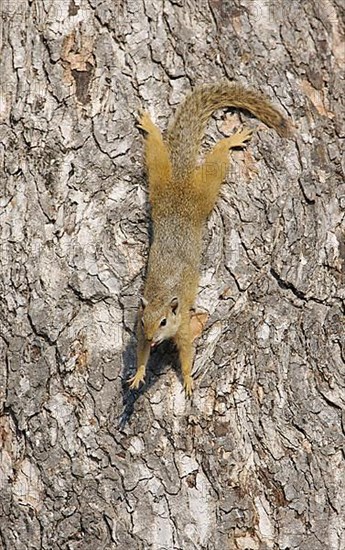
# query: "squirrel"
[182,196]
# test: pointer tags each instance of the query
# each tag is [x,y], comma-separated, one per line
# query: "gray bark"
[256,460]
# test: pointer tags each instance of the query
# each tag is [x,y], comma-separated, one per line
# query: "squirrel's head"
[160,321]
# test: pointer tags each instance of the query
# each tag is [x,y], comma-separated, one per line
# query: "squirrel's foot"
[240,138]
[188,385]
[145,123]
[137,379]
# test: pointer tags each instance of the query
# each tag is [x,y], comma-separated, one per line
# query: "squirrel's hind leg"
[239,139]
[212,173]
[157,157]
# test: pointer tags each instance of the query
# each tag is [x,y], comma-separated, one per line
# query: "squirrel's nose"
[151,341]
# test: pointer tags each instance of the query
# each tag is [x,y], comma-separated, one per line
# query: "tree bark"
[256,460]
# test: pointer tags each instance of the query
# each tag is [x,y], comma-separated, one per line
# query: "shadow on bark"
[160,359]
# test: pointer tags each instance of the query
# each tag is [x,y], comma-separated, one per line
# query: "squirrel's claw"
[188,386]
[240,138]
[245,134]
[144,121]
[135,382]
[137,379]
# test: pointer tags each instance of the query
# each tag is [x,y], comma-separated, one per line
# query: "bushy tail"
[188,125]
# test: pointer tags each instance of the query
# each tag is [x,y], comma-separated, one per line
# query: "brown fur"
[181,197]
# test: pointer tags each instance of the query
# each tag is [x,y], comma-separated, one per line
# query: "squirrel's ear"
[144,302]
[174,304]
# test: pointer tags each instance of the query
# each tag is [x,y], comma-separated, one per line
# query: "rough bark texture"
[256,460]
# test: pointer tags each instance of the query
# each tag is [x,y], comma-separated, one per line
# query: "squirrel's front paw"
[137,379]
[188,385]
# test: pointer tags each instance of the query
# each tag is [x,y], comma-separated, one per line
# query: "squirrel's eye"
[163,322]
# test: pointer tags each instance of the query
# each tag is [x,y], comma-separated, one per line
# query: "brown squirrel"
[182,195]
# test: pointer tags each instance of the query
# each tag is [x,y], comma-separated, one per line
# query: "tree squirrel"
[182,195]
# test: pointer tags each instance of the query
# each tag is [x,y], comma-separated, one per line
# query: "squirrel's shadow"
[160,359]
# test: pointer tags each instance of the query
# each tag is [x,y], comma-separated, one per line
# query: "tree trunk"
[255,461]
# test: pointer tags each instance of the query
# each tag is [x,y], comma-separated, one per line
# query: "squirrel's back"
[188,125]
